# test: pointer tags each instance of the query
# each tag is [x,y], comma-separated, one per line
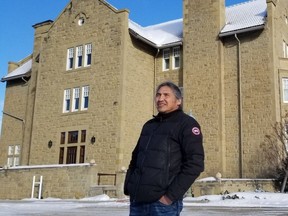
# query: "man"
[167,159]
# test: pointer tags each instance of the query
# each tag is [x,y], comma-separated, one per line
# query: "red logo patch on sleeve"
[196,130]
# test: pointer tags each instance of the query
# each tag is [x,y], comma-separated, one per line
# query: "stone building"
[87,88]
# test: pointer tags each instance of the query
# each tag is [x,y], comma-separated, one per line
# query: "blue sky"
[18,16]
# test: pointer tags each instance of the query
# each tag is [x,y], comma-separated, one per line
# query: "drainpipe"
[155,58]
[239,84]
[23,127]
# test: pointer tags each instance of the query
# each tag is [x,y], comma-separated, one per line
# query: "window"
[88,54]
[66,104]
[176,57]
[85,98]
[76,93]
[166,59]
[285,89]
[70,59]
[13,155]
[79,58]
[73,149]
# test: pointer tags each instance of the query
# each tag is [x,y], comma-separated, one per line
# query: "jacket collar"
[164,116]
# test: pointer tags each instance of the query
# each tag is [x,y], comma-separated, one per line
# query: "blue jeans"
[156,209]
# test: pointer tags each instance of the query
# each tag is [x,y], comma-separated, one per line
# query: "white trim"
[85,93]
[285,89]
[79,55]
[88,51]
[176,54]
[166,59]
[76,99]
[70,57]
[67,96]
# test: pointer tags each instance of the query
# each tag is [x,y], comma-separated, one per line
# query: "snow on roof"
[19,72]
[244,16]
[160,34]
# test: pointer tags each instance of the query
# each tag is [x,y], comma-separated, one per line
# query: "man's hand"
[165,200]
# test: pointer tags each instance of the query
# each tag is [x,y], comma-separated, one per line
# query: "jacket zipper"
[142,162]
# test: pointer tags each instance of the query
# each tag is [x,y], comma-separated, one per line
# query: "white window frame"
[85,94]
[79,57]
[70,58]
[67,100]
[13,158]
[76,99]
[88,55]
[166,59]
[176,55]
[285,89]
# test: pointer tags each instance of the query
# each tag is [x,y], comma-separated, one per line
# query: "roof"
[21,71]
[161,34]
[247,16]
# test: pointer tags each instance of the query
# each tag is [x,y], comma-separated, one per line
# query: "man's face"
[166,100]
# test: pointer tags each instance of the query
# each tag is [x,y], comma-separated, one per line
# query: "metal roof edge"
[238,31]
[157,46]
[16,77]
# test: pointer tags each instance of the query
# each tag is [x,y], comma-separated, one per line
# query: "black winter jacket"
[167,159]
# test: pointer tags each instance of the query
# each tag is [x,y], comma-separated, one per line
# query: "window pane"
[79,61]
[17,150]
[10,161]
[83,135]
[16,161]
[72,136]
[166,59]
[70,58]
[167,63]
[177,62]
[285,90]
[10,150]
[71,155]
[66,105]
[76,104]
[88,54]
[76,93]
[86,102]
[85,97]
[61,155]
[89,59]
[82,154]
[79,56]
[62,139]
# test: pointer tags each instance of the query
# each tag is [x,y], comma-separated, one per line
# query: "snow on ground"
[103,205]
[239,199]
